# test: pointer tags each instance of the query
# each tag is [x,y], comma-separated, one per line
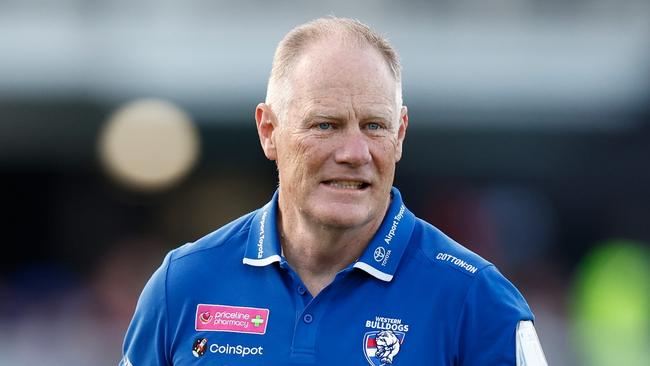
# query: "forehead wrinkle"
[326,105]
[373,108]
[340,96]
[345,107]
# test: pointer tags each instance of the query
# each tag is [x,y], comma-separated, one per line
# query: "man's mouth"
[346,184]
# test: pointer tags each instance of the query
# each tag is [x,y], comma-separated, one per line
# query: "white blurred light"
[149,145]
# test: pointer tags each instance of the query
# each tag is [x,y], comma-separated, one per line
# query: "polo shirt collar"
[380,258]
[263,245]
[383,253]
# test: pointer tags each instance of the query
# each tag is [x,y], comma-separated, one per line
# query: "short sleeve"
[488,323]
[145,343]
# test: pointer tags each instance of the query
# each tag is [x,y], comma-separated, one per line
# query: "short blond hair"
[299,38]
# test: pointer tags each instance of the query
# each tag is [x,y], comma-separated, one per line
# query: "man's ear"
[266,126]
[401,132]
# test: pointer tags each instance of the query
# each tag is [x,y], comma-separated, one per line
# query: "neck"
[317,252]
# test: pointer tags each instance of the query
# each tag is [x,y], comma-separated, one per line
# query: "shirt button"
[307,318]
[302,290]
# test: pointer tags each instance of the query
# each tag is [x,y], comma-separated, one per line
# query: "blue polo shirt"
[415,297]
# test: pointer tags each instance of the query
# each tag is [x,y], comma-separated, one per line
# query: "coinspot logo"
[237,350]
[380,253]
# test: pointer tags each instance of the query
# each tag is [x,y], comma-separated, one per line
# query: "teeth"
[346,184]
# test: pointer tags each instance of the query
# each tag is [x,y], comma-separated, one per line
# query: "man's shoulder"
[441,251]
[235,232]
[451,266]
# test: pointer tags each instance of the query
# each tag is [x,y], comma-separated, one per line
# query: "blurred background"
[127,129]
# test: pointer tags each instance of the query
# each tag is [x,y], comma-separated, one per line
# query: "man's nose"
[353,148]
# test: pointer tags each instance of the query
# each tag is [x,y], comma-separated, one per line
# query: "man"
[335,270]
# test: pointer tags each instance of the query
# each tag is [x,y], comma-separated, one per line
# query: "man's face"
[337,147]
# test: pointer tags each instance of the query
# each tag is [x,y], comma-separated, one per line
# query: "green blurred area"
[611,305]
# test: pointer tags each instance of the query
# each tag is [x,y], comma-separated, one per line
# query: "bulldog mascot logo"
[381,347]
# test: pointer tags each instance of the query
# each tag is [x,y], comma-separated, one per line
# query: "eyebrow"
[310,115]
[386,115]
[323,116]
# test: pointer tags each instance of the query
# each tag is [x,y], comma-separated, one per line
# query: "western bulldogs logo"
[381,347]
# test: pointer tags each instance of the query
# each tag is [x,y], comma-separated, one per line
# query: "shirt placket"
[310,312]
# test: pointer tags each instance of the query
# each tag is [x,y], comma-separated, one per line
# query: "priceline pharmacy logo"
[228,318]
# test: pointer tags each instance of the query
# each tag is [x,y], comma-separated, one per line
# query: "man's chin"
[342,218]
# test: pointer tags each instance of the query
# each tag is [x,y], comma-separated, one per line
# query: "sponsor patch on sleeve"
[529,350]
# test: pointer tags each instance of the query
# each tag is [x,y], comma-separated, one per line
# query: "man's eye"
[373,126]
[324,126]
